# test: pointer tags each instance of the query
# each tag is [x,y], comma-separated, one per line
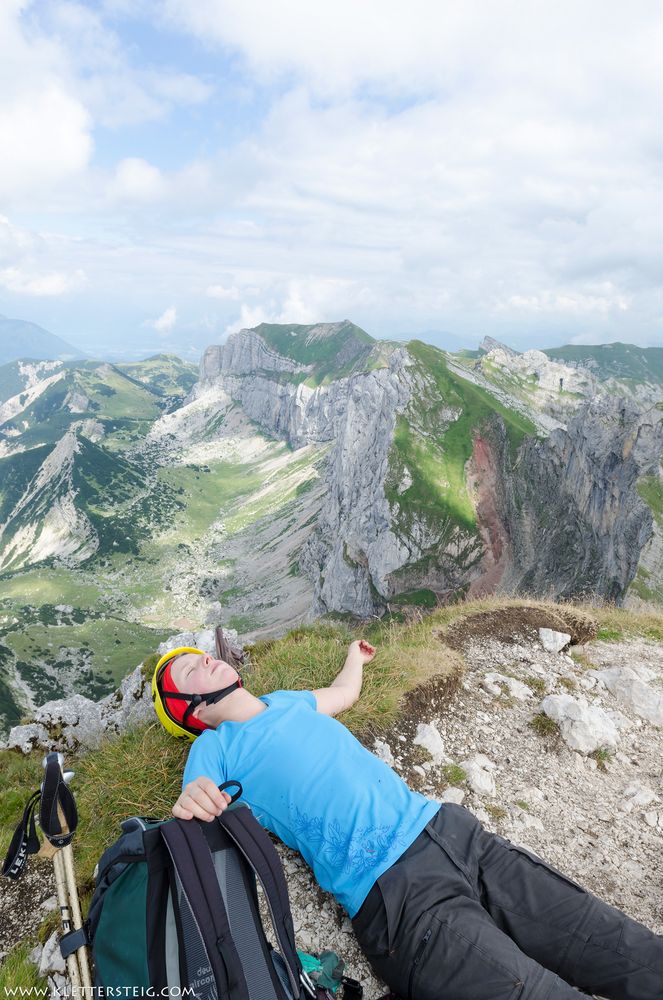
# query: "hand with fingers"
[201,798]
[361,650]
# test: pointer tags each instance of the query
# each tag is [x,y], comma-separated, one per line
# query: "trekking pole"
[58,819]
[73,968]
[67,855]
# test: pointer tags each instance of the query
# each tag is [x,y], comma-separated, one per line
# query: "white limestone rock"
[584,727]
[428,737]
[633,692]
[26,738]
[452,794]
[198,640]
[79,718]
[530,794]
[637,796]
[516,688]
[478,769]
[51,960]
[553,642]
[383,751]
[525,821]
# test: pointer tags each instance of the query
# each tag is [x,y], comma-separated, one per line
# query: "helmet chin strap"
[208,699]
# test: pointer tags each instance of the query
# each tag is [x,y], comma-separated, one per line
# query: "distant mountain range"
[306,470]
[19,339]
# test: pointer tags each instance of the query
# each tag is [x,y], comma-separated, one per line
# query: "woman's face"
[200,673]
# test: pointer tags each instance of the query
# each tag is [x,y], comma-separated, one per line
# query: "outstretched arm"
[344,691]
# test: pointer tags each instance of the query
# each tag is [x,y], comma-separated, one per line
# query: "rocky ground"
[499,739]
[599,819]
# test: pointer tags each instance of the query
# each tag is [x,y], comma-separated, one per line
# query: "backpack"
[175,908]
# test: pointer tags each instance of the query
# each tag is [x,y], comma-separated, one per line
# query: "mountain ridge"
[21,339]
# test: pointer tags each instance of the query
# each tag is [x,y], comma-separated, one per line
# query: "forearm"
[351,675]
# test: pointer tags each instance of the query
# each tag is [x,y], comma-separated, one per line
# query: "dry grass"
[311,657]
[18,972]
[611,622]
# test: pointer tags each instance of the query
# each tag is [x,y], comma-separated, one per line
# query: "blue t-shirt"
[311,782]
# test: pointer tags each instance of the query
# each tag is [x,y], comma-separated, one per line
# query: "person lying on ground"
[439,906]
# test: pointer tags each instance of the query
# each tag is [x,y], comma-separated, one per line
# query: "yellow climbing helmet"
[172,725]
[176,718]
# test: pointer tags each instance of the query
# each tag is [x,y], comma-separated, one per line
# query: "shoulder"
[205,744]
[306,698]
[205,758]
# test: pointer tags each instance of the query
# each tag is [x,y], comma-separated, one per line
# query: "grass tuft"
[568,683]
[602,755]
[18,973]
[544,725]
[453,774]
[536,684]
[496,812]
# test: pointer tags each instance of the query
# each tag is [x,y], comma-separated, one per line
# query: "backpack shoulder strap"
[192,860]
[253,842]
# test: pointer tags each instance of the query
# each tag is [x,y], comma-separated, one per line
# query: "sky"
[175,170]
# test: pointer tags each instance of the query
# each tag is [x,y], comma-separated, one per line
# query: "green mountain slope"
[164,374]
[73,490]
[622,361]
[333,350]
[42,408]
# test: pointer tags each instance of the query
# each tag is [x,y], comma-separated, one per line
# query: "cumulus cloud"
[308,300]
[568,302]
[26,259]
[51,283]
[115,91]
[137,179]
[165,323]
[564,51]
[484,169]
[45,130]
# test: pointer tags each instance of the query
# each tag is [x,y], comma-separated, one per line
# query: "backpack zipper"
[417,958]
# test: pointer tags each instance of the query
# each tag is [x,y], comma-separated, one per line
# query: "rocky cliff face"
[570,514]
[353,548]
[245,353]
[560,515]
[45,521]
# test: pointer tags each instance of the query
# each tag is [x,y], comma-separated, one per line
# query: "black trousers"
[466,915]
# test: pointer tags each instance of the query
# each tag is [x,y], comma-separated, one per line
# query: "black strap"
[197,699]
[73,940]
[54,792]
[192,859]
[246,832]
[352,989]
[25,841]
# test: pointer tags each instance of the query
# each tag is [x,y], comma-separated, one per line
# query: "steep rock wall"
[576,520]
[560,518]
[353,548]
